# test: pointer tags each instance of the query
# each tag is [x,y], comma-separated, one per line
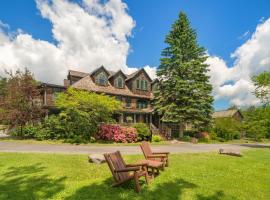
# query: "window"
[141,84]
[119,98]
[119,82]
[141,104]
[128,102]
[101,79]
[138,84]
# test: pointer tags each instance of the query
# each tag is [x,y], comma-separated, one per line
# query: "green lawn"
[202,176]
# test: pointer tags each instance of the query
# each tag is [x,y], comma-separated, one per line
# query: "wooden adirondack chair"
[123,172]
[158,156]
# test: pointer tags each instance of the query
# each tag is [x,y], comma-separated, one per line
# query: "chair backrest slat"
[146,149]
[115,162]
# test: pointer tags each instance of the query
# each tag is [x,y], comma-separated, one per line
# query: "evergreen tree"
[184,92]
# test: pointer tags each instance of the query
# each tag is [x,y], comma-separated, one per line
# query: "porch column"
[134,116]
[45,97]
[150,118]
[121,120]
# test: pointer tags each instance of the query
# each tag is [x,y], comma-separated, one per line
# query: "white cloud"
[251,58]
[92,33]
[87,36]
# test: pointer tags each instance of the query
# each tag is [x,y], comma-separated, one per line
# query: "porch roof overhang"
[139,111]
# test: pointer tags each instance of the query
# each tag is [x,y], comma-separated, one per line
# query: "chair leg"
[137,184]
[167,162]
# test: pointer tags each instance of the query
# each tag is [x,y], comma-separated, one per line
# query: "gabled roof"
[225,113]
[77,73]
[118,72]
[87,83]
[133,75]
[99,68]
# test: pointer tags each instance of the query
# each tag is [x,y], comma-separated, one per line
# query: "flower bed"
[117,133]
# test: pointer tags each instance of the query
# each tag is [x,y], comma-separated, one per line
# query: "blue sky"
[222,26]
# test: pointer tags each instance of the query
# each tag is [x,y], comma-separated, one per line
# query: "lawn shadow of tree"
[219,195]
[29,182]
[167,190]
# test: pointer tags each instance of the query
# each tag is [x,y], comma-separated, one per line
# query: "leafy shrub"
[203,136]
[130,133]
[227,128]
[117,133]
[156,138]
[143,131]
[28,132]
[213,135]
[54,127]
[257,122]
[190,133]
[186,138]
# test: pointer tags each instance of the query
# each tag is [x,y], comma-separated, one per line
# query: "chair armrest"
[128,169]
[161,153]
[157,156]
[136,164]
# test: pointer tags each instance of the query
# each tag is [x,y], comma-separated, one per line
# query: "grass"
[205,176]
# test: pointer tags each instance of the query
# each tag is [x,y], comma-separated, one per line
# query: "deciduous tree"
[20,98]
[262,83]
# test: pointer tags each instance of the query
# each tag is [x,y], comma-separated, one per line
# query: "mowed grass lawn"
[202,176]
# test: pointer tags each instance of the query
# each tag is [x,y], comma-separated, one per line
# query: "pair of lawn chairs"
[123,172]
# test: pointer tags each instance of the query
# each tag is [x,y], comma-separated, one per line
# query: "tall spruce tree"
[184,92]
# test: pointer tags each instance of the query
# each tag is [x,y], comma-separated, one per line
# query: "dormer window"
[142,84]
[101,79]
[119,82]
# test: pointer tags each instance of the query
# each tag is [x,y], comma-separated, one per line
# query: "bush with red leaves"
[117,133]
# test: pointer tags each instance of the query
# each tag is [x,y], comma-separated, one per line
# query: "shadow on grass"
[167,190]
[256,145]
[28,182]
[219,195]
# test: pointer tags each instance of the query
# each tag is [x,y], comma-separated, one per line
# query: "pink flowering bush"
[117,133]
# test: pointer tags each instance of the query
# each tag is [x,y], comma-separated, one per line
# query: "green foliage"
[31,131]
[190,133]
[186,138]
[262,83]
[227,128]
[184,91]
[213,135]
[156,138]
[143,131]
[82,112]
[257,122]
[19,99]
